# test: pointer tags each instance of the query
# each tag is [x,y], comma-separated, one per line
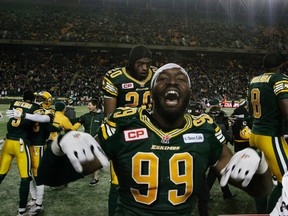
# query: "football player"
[268,104]
[160,155]
[43,118]
[127,87]
[39,136]
[16,145]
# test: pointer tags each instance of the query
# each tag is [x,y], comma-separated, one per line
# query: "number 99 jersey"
[159,172]
[128,90]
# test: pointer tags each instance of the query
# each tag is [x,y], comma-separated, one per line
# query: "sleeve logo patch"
[127,85]
[193,138]
[136,134]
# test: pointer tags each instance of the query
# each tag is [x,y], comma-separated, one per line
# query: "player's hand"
[83,151]
[242,167]
[1,116]
[14,113]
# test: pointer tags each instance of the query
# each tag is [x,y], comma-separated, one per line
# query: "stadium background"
[65,46]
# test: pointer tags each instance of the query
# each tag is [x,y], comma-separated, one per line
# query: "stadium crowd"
[79,74]
[114,25]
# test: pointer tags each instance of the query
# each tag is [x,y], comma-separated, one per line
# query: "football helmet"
[44,99]
[245,133]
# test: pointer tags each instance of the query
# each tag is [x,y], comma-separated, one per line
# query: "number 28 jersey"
[159,172]
[129,91]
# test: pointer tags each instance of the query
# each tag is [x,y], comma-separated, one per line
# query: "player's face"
[171,92]
[91,107]
[141,68]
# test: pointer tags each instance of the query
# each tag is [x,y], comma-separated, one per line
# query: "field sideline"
[80,199]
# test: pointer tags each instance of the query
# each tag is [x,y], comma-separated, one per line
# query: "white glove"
[14,113]
[82,150]
[242,167]
[281,208]
[1,116]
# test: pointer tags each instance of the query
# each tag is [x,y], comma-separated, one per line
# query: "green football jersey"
[264,93]
[20,127]
[129,91]
[159,172]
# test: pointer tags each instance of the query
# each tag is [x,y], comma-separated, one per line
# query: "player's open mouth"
[171,97]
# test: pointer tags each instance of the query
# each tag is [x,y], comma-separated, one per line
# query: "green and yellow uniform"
[129,91]
[268,124]
[161,171]
[17,145]
[39,136]
[265,91]
[17,141]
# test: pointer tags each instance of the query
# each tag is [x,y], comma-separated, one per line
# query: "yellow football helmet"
[245,133]
[44,99]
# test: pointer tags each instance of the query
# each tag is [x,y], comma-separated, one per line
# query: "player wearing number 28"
[160,155]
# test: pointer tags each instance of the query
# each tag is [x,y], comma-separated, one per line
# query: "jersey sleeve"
[280,86]
[109,87]
[214,135]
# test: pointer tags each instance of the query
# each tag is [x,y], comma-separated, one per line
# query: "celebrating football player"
[268,103]
[127,87]
[16,145]
[160,156]
[40,134]
[42,126]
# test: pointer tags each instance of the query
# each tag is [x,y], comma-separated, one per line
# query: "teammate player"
[16,145]
[42,118]
[268,103]
[40,134]
[160,155]
[127,87]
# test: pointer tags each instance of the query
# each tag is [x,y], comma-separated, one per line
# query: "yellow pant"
[36,155]
[11,149]
[275,150]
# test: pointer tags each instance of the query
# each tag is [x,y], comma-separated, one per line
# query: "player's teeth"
[172,92]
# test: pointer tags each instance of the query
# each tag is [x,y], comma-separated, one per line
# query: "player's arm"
[110,104]
[246,170]
[283,104]
[71,157]
[15,113]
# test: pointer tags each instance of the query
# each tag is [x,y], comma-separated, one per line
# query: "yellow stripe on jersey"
[281,86]
[109,87]
[219,135]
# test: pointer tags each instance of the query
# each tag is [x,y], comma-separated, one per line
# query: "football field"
[81,199]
